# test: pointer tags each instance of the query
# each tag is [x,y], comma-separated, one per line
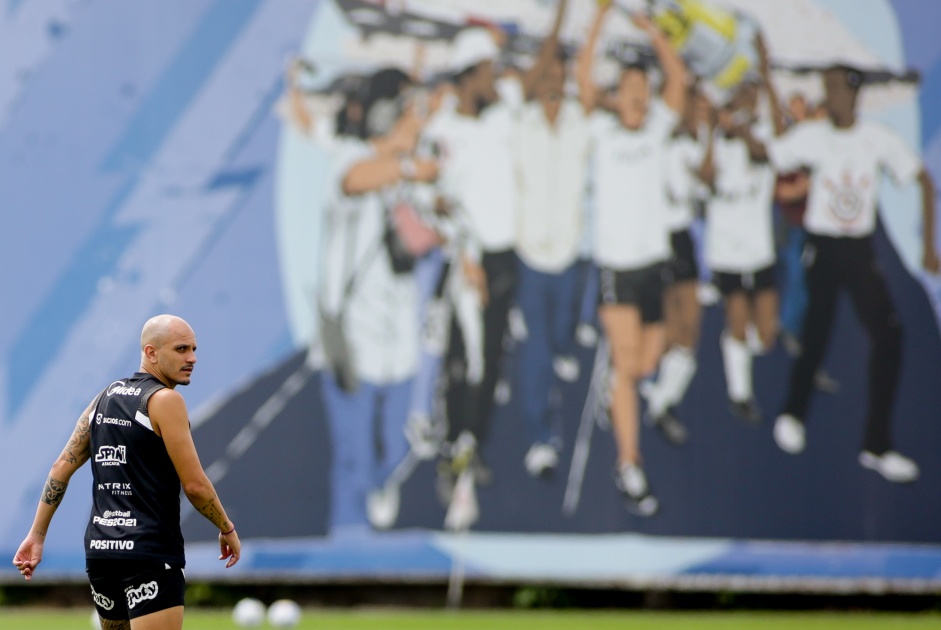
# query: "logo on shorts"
[111,455]
[139,594]
[101,601]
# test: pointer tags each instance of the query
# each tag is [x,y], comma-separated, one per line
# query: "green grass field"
[315,619]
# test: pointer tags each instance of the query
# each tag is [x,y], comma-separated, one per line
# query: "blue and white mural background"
[144,169]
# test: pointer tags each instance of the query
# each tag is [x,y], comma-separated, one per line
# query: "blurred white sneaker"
[892,465]
[753,340]
[669,425]
[790,434]
[586,335]
[517,324]
[463,451]
[382,506]
[541,459]
[423,436]
[708,294]
[503,392]
[631,482]
[566,367]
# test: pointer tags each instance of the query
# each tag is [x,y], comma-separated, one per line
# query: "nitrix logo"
[139,594]
[101,600]
[122,489]
[111,455]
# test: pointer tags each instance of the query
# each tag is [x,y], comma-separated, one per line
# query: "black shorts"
[127,589]
[750,283]
[642,288]
[683,266]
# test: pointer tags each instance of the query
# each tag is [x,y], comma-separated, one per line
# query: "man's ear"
[150,352]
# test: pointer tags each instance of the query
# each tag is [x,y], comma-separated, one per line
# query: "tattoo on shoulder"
[53,491]
[78,450]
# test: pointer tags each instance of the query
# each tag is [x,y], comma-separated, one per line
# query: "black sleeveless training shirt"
[135,511]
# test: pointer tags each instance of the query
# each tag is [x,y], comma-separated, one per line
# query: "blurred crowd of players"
[477,229]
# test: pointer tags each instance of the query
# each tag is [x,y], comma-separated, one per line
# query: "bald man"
[138,431]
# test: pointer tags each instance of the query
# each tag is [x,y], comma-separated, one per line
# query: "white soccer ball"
[249,613]
[284,613]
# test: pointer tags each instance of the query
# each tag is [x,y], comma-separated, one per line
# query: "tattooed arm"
[171,422]
[75,453]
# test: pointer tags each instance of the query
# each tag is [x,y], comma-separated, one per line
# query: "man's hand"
[645,24]
[28,556]
[499,35]
[476,278]
[230,547]
[426,170]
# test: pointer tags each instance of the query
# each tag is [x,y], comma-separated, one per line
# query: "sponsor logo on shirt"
[634,154]
[114,521]
[118,388]
[139,594]
[847,199]
[101,600]
[120,489]
[111,545]
[101,418]
[111,455]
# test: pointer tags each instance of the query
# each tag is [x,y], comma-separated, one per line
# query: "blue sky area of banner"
[155,117]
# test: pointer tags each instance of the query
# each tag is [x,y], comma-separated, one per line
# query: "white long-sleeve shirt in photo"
[846,170]
[382,309]
[630,222]
[475,162]
[739,234]
[551,163]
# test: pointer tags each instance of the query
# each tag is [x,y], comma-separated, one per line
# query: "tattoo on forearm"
[78,450]
[53,491]
[213,513]
[115,624]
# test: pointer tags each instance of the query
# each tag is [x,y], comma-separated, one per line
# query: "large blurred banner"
[152,160]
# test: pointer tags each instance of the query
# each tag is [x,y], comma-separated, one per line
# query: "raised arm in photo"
[675,74]
[764,70]
[547,51]
[585,64]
